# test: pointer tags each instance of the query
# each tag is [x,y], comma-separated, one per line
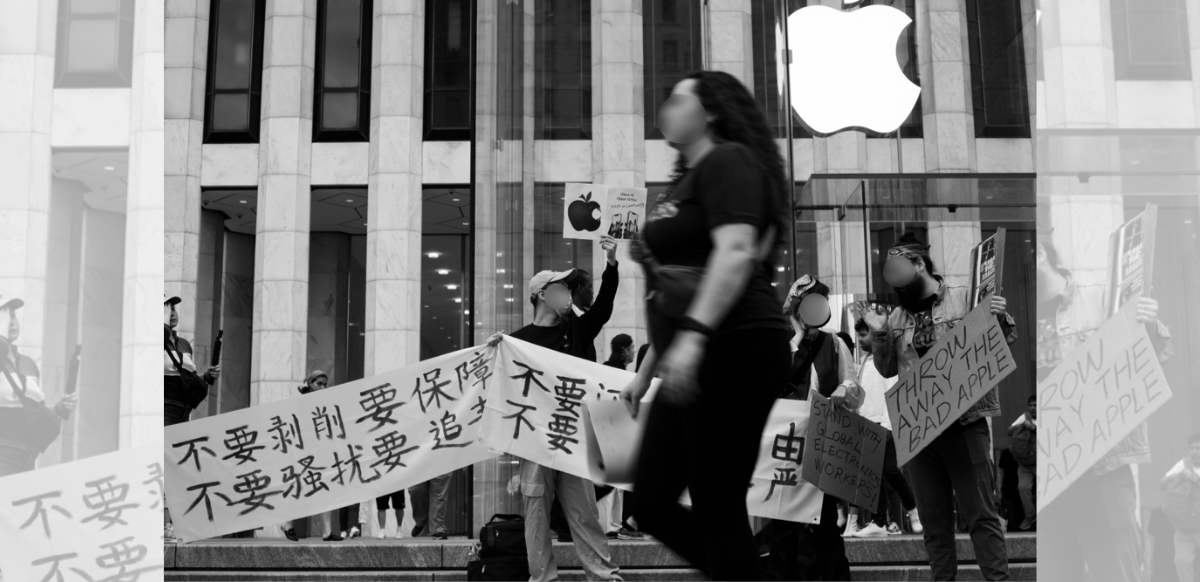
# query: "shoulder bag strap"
[171,354]
[16,386]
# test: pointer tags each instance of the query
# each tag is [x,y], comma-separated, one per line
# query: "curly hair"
[739,120]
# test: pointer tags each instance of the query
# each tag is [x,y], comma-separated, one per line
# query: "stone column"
[27,42]
[280,323]
[619,145]
[141,332]
[944,62]
[185,69]
[393,312]
[731,46]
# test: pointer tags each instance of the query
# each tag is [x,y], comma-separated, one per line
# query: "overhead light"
[468,312]
[508,285]
[452,287]
[433,255]
[454,199]
[443,271]
[466,224]
[349,200]
[458,299]
[508,299]
[501,271]
[242,201]
[780,269]
[109,168]
[364,224]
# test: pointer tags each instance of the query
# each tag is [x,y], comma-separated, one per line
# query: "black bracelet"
[690,324]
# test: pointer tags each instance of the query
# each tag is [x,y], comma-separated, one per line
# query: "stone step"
[408,554]
[1018,572]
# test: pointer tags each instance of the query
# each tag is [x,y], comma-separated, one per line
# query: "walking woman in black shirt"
[718,339]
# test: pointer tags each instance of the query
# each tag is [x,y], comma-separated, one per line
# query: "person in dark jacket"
[622,351]
[555,326]
[175,409]
[16,455]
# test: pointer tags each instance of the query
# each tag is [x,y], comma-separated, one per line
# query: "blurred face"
[557,297]
[320,383]
[682,118]
[1033,410]
[901,271]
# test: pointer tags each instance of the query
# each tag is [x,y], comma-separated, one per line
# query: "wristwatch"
[690,323]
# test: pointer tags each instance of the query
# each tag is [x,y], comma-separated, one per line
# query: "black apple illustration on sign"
[584,213]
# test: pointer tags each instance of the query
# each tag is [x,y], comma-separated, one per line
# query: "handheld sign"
[987,266]
[970,360]
[844,453]
[594,210]
[1131,256]
[1095,398]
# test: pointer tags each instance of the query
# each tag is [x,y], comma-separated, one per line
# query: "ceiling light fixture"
[443,271]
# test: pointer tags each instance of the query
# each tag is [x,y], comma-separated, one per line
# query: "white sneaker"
[915,520]
[852,529]
[872,531]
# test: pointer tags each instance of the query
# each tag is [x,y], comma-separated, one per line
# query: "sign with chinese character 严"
[987,267]
[971,359]
[1095,398]
[315,452]
[777,490]
[534,410]
[844,457]
[1130,257]
[92,520]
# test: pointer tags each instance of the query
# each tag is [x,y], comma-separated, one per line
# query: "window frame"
[121,76]
[429,132]
[254,110]
[363,91]
[975,64]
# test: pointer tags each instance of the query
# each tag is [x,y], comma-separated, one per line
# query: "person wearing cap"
[956,464]
[821,363]
[557,327]
[1097,518]
[175,410]
[20,373]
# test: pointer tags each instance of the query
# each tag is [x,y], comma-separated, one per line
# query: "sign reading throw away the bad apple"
[591,211]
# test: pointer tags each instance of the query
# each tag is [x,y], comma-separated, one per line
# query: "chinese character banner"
[90,520]
[317,452]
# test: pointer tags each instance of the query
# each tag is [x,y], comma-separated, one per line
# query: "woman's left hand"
[679,366]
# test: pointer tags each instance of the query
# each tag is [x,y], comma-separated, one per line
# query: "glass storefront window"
[449,52]
[342,87]
[563,69]
[234,87]
[999,93]
[671,43]
[95,43]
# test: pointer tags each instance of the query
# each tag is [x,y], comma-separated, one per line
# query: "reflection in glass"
[96,41]
[234,87]
[341,109]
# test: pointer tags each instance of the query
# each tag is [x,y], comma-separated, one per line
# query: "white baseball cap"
[544,278]
[170,300]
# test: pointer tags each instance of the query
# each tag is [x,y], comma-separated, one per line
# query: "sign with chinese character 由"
[91,520]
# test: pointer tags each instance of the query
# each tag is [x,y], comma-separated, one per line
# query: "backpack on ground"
[502,552]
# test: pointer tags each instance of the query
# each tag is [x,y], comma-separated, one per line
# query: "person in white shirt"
[874,409]
[20,373]
[1182,507]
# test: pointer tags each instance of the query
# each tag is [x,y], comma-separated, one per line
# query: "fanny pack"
[42,425]
[195,389]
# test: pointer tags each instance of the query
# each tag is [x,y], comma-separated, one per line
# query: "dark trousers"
[801,551]
[739,378]
[1092,525]
[894,479]
[429,505]
[175,412]
[956,466]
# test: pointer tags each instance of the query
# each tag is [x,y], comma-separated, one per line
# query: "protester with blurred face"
[1097,519]
[956,465]
[709,249]
[20,380]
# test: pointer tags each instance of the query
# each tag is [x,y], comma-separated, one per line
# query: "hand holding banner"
[971,359]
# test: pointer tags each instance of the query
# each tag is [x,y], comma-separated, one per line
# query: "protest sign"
[626,212]
[613,438]
[1130,257]
[1095,398]
[299,457]
[844,454]
[971,359]
[987,267]
[584,207]
[534,411]
[95,519]
[776,489]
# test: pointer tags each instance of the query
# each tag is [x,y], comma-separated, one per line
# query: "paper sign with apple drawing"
[591,211]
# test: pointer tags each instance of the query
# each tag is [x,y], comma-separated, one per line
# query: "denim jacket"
[1080,314]
[894,354]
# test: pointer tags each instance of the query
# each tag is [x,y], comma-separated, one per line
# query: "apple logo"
[844,74]
[584,213]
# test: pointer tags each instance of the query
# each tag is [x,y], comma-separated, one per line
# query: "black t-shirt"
[924,336]
[727,186]
[554,337]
